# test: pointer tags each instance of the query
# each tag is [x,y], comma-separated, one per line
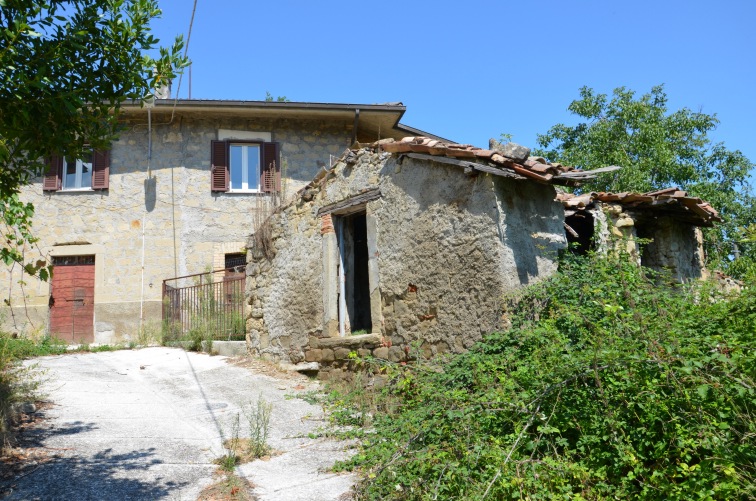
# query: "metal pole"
[342,280]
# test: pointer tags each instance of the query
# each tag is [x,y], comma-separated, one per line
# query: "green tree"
[657,149]
[66,66]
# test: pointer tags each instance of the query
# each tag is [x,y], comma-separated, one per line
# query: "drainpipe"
[144,215]
[141,300]
[356,124]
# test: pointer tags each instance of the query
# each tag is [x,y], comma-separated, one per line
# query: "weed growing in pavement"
[228,487]
[312,397]
[255,446]
[228,461]
[258,418]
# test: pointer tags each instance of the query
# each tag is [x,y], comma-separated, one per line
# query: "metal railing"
[205,306]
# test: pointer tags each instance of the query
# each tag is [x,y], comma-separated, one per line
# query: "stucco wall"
[448,246]
[185,227]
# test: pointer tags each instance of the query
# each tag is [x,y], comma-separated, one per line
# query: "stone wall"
[661,243]
[675,247]
[446,246]
[171,213]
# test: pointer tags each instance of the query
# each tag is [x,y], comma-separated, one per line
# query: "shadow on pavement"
[61,474]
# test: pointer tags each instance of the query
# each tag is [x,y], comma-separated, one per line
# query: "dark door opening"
[354,273]
[580,228]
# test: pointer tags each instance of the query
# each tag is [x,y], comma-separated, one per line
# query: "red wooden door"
[72,299]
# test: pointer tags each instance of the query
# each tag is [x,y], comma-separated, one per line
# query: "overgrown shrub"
[611,383]
[19,383]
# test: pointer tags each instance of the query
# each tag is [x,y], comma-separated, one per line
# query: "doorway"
[72,299]
[354,278]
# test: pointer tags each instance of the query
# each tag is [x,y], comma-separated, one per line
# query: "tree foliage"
[612,384]
[658,148]
[66,66]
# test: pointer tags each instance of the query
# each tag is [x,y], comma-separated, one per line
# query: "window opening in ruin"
[579,228]
[235,262]
[354,295]
[235,265]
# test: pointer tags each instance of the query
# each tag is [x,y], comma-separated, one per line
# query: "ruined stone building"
[413,244]
[667,221]
[175,195]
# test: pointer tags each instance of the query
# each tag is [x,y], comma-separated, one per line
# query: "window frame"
[78,174]
[245,145]
[269,167]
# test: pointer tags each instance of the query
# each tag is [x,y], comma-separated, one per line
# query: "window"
[236,261]
[92,171]
[245,166]
[77,172]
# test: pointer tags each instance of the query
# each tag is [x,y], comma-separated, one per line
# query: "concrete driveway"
[147,424]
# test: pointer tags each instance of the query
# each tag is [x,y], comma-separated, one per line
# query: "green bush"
[19,383]
[611,383]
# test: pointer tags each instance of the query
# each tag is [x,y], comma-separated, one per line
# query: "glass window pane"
[86,170]
[236,167]
[69,173]
[253,165]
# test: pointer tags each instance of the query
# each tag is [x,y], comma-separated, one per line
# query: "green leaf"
[703,390]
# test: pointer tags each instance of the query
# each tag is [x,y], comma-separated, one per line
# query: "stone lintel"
[349,341]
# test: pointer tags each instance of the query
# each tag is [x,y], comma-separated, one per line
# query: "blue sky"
[473,70]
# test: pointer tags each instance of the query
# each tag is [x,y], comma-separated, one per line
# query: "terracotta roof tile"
[535,168]
[672,201]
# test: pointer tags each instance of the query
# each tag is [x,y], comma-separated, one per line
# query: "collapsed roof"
[670,202]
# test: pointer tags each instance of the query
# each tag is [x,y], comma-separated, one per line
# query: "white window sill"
[244,192]
[74,190]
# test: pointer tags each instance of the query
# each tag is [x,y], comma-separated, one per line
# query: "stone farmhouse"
[175,195]
[413,245]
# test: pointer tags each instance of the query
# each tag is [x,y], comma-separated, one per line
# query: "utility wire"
[173,191]
[186,52]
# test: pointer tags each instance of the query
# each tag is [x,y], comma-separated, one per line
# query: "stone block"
[623,222]
[326,355]
[230,348]
[313,355]
[396,354]
[362,352]
[356,341]
[382,353]
[301,367]
[341,353]
[510,150]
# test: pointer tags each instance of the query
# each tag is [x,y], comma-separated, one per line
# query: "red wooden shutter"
[51,180]
[100,170]
[219,166]
[270,179]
